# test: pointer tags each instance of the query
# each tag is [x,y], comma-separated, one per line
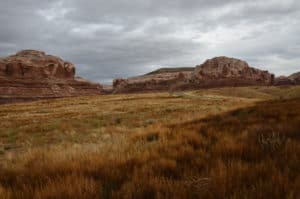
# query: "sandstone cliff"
[30,75]
[216,72]
[283,80]
[224,71]
[148,83]
[293,79]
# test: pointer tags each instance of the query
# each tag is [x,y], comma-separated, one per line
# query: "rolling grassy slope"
[217,143]
[88,119]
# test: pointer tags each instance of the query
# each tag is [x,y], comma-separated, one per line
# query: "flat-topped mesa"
[29,75]
[231,71]
[36,65]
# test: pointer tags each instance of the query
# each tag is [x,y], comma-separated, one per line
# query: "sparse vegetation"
[105,147]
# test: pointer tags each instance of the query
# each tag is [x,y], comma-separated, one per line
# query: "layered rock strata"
[30,75]
[216,72]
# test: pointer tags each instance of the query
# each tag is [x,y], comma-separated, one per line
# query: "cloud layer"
[121,38]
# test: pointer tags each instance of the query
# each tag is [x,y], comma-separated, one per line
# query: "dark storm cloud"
[120,38]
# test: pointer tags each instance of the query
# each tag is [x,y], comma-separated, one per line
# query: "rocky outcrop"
[224,71]
[283,80]
[31,64]
[30,75]
[216,72]
[148,83]
[295,78]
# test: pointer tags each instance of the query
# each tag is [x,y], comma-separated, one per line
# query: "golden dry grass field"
[215,143]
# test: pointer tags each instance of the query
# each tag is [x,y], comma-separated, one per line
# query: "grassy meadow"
[232,143]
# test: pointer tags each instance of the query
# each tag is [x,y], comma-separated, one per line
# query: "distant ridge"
[215,72]
[171,70]
[295,75]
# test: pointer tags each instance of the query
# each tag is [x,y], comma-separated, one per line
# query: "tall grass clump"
[225,156]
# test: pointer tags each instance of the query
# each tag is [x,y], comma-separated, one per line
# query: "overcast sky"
[106,39]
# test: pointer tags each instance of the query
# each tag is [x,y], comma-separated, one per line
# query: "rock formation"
[283,80]
[31,74]
[148,83]
[31,64]
[224,71]
[295,78]
[216,72]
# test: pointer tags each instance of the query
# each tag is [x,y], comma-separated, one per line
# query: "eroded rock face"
[295,78]
[149,83]
[232,71]
[36,65]
[216,72]
[283,80]
[31,74]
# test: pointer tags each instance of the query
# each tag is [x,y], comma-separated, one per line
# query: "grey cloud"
[121,38]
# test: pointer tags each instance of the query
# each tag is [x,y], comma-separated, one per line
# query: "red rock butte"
[216,72]
[35,65]
[31,74]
